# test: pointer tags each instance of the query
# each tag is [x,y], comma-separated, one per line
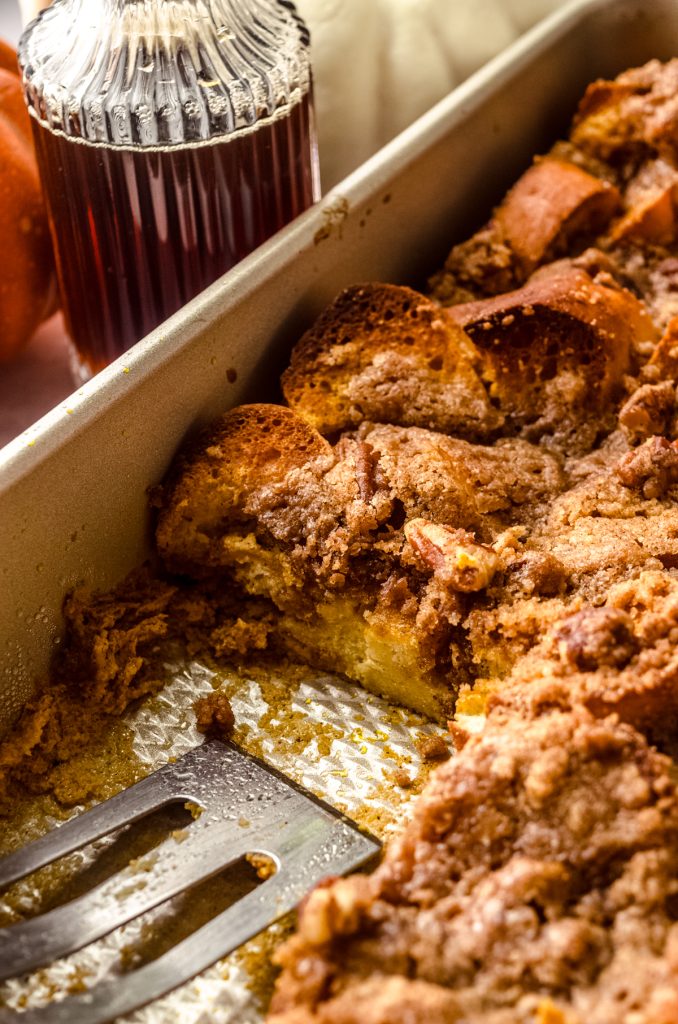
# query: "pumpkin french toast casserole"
[469,504]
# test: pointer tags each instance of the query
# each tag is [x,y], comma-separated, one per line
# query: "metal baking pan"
[73,503]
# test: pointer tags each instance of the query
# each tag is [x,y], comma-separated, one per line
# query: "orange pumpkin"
[8,59]
[27,289]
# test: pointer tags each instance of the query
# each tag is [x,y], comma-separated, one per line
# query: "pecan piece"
[595,637]
[648,411]
[334,908]
[652,468]
[455,557]
[366,462]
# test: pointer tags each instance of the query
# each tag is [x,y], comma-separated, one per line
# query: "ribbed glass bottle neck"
[163,72]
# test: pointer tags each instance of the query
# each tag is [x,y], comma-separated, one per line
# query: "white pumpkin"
[379,64]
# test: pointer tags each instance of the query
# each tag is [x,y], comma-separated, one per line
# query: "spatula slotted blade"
[247,808]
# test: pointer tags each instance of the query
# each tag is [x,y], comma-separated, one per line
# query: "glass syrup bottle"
[173,137]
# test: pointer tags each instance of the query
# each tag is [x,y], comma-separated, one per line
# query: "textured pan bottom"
[352,748]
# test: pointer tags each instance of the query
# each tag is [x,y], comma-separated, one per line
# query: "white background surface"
[10,22]
[39,378]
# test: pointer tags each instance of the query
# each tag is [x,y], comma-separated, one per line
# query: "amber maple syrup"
[140,231]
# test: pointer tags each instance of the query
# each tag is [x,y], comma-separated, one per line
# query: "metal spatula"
[247,808]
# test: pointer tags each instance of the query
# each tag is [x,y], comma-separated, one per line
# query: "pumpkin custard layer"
[469,505]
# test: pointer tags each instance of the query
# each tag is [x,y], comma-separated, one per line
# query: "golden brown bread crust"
[622,145]
[624,121]
[650,207]
[551,207]
[325,505]
[371,548]
[555,207]
[250,447]
[554,352]
[536,882]
[544,360]
[385,353]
